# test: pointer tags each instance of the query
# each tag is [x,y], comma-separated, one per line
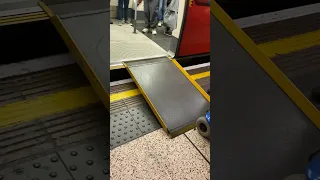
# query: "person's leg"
[126,5]
[154,9]
[120,11]
[110,19]
[160,13]
[146,16]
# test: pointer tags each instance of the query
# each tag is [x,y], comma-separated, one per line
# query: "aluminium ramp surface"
[176,100]
[84,26]
[258,125]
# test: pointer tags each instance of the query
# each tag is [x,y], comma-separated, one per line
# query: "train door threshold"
[174,97]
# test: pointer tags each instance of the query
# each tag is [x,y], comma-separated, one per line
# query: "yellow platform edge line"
[265,63]
[22,15]
[134,92]
[46,105]
[200,75]
[79,57]
[24,18]
[290,44]
[154,110]
[195,84]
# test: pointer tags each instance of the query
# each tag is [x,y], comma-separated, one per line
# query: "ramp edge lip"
[194,83]
[148,100]
[266,64]
[74,49]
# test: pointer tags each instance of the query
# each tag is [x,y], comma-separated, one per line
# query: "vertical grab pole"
[135,17]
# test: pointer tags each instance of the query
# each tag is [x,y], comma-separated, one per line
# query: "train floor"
[127,46]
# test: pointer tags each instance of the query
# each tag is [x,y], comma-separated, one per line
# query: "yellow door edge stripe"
[290,44]
[79,56]
[195,84]
[46,105]
[134,92]
[265,63]
[147,99]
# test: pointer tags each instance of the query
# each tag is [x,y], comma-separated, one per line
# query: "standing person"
[162,7]
[171,17]
[151,9]
[123,11]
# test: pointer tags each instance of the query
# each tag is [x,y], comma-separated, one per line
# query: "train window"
[202,2]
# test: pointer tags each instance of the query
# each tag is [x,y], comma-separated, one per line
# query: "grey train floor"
[161,39]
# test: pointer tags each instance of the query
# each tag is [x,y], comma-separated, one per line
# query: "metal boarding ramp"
[174,97]
[79,24]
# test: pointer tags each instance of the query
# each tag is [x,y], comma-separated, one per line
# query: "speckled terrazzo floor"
[156,156]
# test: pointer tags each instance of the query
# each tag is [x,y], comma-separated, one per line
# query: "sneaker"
[159,23]
[145,30]
[154,31]
[120,22]
[126,22]
[168,33]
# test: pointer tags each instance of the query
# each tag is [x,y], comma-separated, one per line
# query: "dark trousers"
[151,10]
[123,9]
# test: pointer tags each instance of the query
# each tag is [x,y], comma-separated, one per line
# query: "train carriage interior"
[68,98]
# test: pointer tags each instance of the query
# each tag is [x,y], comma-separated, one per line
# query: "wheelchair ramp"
[176,99]
[262,122]
[84,27]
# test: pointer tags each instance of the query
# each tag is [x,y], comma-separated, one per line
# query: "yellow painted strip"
[22,15]
[23,18]
[122,95]
[134,92]
[290,44]
[200,75]
[47,105]
[265,63]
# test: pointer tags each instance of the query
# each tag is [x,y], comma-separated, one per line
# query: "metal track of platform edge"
[176,100]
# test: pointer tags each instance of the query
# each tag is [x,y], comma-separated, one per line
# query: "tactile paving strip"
[88,161]
[122,128]
[44,168]
[144,118]
[130,124]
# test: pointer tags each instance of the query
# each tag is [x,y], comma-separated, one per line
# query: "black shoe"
[111,22]
[168,33]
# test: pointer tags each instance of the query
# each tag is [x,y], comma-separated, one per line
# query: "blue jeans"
[123,9]
[162,6]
